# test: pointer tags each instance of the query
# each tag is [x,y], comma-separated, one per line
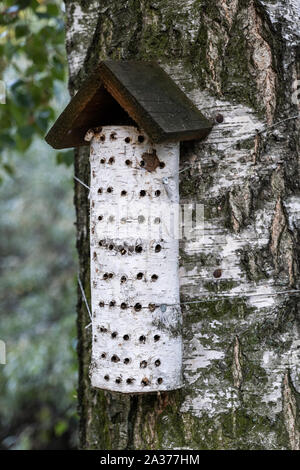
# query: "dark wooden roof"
[129,92]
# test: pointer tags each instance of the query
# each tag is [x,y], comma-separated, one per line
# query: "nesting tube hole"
[115,358]
[143,364]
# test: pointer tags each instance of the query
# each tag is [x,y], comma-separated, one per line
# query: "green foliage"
[32,63]
[37,302]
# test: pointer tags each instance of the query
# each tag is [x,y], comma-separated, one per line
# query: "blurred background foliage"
[37,237]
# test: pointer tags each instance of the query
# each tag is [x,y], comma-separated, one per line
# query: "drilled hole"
[113,136]
[102,243]
[141,219]
[142,339]
[139,249]
[123,193]
[106,377]
[123,279]
[101,304]
[129,381]
[157,220]
[143,364]
[142,193]
[128,162]
[123,306]
[139,276]
[102,137]
[109,189]
[127,140]
[103,330]
[110,275]
[159,380]
[152,307]
[137,307]
[115,358]
[157,248]
[112,303]
[100,191]
[156,338]
[100,217]
[154,277]
[102,160]
[126,360]
[111,160]
[157,193]
[141,139]
[105,276]
[111,247]
[142,163]
[126,337]
[103,355]
[145,381]
[157,363]
[114,334]
[123,251]
[162,164]
[118,380]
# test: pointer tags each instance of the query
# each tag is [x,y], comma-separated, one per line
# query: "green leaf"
[9,169]
[60,427]
[53,9]
[65,158]
[21,30]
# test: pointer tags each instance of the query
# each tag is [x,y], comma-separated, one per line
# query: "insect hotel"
[133,116]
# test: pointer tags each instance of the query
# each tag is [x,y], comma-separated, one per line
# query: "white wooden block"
[137,344]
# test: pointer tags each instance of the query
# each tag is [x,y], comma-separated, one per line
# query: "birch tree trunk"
[239,61]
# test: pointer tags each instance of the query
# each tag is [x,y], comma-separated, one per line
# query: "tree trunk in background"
[236,58]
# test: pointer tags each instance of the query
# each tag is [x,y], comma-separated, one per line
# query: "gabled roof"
[129,92]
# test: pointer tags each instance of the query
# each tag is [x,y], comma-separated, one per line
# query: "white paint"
[132,179]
